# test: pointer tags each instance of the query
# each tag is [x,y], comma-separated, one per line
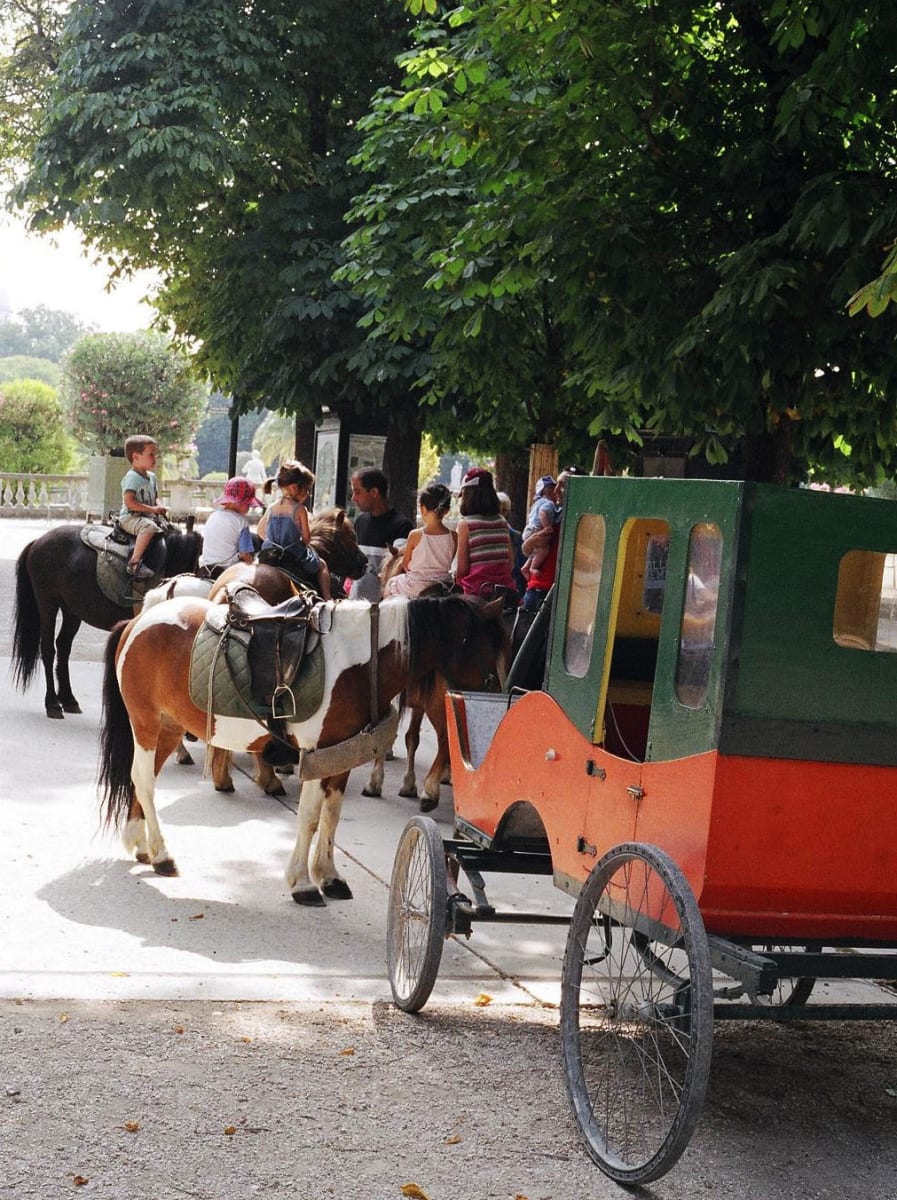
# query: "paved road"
[203,1036]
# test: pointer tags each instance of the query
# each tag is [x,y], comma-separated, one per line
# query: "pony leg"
[308,815]
[52,704]
[440,769]
[150,847]
[220,769]
[323,867]
[374,785]
[267,778]
[68,629]
[412,741]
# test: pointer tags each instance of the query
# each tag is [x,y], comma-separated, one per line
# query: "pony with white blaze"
[147,707]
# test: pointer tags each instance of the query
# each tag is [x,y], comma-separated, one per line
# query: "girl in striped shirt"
[485,556]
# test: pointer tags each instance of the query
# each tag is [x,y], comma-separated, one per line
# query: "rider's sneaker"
[139,570]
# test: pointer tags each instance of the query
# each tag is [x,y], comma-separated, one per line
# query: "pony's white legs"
[308,816]
[323,868]
[143,837]
[311,869]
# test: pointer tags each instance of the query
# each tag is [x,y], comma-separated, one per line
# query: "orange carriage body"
[772,848]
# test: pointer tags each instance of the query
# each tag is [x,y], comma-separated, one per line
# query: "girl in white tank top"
[429,551]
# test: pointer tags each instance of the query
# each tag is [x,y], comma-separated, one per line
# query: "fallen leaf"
[80,1180]
[246,1039]
[454,1140]
[62,1018]
[131,1126]
[179,1029]
[520,1196]
[482,1000]
[197,916]
[230,1130]
[120,974]
[411,1189]
[349,1050]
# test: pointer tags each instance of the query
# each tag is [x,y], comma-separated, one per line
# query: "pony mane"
[452,622]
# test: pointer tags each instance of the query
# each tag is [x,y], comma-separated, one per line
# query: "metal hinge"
[592,768]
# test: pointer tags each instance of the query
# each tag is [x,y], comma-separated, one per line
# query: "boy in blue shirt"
[140,501]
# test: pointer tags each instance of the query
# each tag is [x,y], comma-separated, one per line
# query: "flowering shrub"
[118,384]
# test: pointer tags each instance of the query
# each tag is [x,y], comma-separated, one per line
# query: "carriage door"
[624,702]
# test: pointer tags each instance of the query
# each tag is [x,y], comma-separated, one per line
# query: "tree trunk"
[304,445]
[512,476]
[401,463]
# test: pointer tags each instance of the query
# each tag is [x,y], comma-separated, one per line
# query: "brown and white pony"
[147,707]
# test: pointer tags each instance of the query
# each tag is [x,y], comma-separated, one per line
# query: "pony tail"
[269,484]
[116,739]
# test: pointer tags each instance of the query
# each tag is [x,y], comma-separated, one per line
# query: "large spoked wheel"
[418,903]
[636,1013]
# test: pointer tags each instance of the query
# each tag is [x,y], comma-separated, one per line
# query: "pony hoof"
[337,889]
[190,737]
[72,707]
[369,791]
[409,793]
[226,788]
[166,867]
[143,857]
[428,803]
[54,712]
[310,897]
[276,789]
[184,760]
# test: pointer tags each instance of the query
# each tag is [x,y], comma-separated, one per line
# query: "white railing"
[24,494]
[29,495]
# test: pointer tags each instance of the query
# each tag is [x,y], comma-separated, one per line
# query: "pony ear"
[340,516]
[493,609]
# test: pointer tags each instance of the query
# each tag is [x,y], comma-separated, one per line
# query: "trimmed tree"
[32,430]
[118,384]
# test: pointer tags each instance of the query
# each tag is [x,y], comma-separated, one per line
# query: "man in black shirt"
[377,524]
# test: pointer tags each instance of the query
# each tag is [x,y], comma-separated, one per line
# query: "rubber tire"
[635,1122]
[417,914]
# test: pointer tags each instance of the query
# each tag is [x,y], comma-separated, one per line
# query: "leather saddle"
[256,659]
[281,636]
[113,546]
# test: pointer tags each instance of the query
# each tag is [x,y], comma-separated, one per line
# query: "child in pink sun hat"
[227,538]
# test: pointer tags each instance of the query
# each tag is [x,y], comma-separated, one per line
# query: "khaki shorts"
[136,522]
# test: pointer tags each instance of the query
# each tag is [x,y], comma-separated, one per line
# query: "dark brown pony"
[147,707]
[56,575]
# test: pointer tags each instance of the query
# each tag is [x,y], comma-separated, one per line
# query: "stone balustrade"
[25,494]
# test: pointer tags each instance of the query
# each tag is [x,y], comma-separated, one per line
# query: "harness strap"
[375,656]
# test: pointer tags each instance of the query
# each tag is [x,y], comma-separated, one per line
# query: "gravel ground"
[155,1101]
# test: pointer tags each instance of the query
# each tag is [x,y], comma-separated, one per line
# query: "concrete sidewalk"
[80,919]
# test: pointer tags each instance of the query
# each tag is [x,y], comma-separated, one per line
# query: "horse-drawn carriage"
[698,741]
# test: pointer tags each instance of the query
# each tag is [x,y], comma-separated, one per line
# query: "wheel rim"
[636,1013]
[417,914]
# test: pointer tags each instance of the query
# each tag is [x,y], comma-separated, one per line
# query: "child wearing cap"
[227,538]
[544,514]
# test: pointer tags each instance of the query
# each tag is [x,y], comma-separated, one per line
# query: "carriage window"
[588,557]
[866,602]
[697,636]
